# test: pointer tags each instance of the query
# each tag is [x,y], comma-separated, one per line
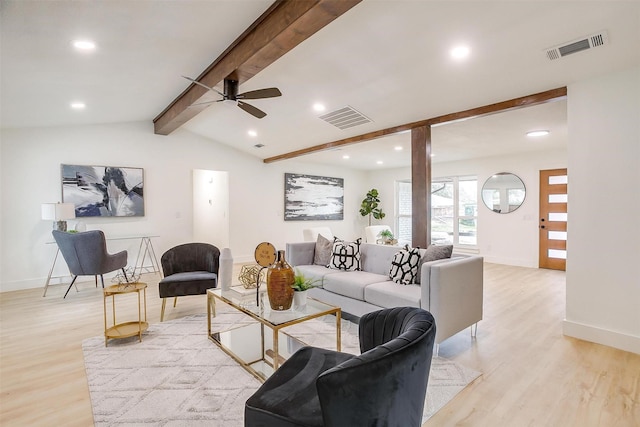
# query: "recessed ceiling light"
[346,156]
[84,45]
[379,162]
[252,133]
[319,107]
[398,148]
[460,52]
[78,105]
[538,133]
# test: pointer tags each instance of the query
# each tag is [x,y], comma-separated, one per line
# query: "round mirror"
[503,192]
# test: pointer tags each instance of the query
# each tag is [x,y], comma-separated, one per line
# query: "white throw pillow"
[345,255]
[404,266]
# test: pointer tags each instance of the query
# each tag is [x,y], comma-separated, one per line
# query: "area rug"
[177,377]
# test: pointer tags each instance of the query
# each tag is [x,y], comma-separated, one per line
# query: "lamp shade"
[58,211]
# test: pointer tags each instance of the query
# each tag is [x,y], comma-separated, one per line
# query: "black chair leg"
[125,275]
[69,288]
[102,280]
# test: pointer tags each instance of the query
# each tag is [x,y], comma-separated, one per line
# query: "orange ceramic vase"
[279,280]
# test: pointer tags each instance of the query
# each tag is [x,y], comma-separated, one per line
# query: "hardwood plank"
[532,374]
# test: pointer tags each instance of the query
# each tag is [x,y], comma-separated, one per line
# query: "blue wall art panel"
[103,190]
[309,197]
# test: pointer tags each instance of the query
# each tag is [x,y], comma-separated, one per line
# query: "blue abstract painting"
[309,197]
[103,190]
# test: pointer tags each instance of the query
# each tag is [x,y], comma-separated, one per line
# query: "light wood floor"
[532,374]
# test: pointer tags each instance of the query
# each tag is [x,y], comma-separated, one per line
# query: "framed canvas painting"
[310,197]
[103,191]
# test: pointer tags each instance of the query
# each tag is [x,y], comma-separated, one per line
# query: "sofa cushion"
[322,255]
[345,255]
[351,283]
[435,253]
[404,265]
[390,294]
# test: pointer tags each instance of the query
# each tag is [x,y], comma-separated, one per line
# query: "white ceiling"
[387,59]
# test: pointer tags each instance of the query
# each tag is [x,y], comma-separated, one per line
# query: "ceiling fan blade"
[256,112]
[271,92]
[204,86]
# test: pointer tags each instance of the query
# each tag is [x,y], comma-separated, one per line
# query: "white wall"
[603,279]
[30,175]
[510,239]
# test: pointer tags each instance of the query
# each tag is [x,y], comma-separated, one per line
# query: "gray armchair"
[189,269]
[86,255]
[385,386]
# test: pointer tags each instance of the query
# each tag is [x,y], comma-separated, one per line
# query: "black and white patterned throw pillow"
[345,255]
[404,266]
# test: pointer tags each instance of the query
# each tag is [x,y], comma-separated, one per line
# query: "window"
[454,210]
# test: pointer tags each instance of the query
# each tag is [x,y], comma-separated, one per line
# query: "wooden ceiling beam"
[286,24]
[512,104]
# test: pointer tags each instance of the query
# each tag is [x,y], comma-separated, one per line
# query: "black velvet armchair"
[189,269]
[385,386]
[86,255]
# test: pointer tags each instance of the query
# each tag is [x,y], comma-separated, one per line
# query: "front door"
[553,219]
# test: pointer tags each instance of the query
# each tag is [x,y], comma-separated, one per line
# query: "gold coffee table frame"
[272,319]
[126,329]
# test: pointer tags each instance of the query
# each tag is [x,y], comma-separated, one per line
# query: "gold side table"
[126,329]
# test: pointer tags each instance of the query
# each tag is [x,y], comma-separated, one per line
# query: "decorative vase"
[300,298]
[279,280]
[225,269]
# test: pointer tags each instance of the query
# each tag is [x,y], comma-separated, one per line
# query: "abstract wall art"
[309,197]
[103,190]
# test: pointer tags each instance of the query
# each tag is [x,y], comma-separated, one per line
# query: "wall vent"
[584,43]
[345,118]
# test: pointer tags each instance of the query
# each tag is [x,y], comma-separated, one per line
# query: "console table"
[145,250]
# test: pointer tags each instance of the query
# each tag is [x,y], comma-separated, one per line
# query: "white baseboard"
[601,336]
[63,281]
[509,261]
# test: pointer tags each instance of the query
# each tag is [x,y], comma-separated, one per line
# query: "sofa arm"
[300,253]
[453,293]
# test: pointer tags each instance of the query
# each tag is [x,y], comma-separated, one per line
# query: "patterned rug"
[177,377]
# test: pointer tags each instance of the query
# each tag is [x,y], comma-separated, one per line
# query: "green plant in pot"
[301,285]
[370,206]
[387,237]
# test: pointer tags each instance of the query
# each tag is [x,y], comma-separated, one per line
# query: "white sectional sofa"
[451,289]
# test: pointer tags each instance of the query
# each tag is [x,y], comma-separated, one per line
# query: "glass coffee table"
[260,346]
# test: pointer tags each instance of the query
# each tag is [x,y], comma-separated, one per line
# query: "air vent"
[345,118]
[585,43]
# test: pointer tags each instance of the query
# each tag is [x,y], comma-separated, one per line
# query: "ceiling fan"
[231,94]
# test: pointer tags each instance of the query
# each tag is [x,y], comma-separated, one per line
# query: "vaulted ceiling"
[389,60]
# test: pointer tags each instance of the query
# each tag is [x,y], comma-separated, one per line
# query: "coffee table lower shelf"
[252,347]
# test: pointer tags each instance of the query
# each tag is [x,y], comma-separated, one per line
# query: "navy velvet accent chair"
[385,386]
[86,255]
[189,269]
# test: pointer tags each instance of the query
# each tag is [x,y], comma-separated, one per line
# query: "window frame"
[455,181]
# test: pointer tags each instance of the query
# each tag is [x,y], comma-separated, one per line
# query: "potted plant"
[387,237]
[369,206]
[301,285]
